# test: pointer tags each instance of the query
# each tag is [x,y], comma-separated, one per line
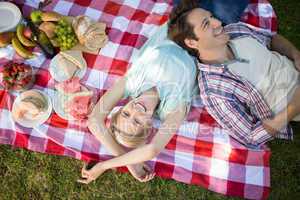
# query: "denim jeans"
[227,11]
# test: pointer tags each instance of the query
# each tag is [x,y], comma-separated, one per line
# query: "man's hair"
[178,27]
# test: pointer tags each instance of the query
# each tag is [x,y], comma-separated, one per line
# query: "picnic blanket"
[200,153]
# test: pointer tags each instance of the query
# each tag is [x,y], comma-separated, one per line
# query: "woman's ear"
[191,43]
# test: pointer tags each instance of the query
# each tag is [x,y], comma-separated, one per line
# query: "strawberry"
[14,68]
[17,87]
[11,73]
[27,69]
[20,68]
[4,83]
[27,79]
[5,73]
[24,82]
[19,76]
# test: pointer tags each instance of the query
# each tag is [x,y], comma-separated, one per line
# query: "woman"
[161,82]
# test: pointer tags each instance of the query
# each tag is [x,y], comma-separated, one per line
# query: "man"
[249,90]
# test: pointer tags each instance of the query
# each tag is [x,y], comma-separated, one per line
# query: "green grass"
[30,175]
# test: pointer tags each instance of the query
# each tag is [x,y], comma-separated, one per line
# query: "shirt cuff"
[260,135]
[286,133]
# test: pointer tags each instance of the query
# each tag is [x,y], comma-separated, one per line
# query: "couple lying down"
[246,83]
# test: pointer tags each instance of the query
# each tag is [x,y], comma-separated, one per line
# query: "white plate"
[10,16]
[59,100]
[33,123]
[59,75]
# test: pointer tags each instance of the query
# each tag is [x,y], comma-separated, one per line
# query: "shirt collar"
[215,68]
[220,68]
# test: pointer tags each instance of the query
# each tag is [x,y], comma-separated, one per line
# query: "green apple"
[36,16]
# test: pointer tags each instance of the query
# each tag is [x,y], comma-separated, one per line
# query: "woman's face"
[136,115]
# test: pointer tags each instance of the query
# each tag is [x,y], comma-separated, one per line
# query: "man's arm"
[276,42]
[241,124]
[285,116]
[286,48]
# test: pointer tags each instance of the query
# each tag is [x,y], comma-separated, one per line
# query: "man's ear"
[191,43]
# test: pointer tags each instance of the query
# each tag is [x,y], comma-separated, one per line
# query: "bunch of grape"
[64,35]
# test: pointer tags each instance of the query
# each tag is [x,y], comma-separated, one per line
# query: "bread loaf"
[90,34]
[80,25]
[48,28]
[51,16]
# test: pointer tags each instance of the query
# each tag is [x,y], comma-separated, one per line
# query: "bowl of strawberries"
[16,76]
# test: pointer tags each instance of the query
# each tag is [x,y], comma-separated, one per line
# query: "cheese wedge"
[75,57]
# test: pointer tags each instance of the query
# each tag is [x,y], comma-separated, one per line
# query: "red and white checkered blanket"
[200,153]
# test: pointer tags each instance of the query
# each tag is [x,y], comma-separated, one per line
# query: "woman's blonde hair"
[127,139]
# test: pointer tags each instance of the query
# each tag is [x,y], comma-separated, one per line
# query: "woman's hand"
[142,172]
[92,124]
[92,174]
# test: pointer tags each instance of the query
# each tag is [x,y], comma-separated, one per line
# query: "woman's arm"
[96,124]
[96,121]
[144,153]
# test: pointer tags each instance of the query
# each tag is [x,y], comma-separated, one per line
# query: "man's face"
[208,30]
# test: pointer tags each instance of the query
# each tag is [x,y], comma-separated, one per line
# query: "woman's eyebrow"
[137,120]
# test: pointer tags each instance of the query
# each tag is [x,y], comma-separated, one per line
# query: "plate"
[59,75]
[59,101]
[33,123]
[10,16]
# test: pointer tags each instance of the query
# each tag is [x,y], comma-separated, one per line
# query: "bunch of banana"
[19,41]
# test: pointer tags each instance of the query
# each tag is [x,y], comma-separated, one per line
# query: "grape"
[65,35]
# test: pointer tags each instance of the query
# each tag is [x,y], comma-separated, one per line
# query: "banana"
[20,49]
[26,42]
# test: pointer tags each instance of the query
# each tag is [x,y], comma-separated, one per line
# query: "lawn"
[30,175]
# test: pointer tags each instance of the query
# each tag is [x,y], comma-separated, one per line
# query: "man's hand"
[286,48]
[270,126]
[141,172]
[88,175]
